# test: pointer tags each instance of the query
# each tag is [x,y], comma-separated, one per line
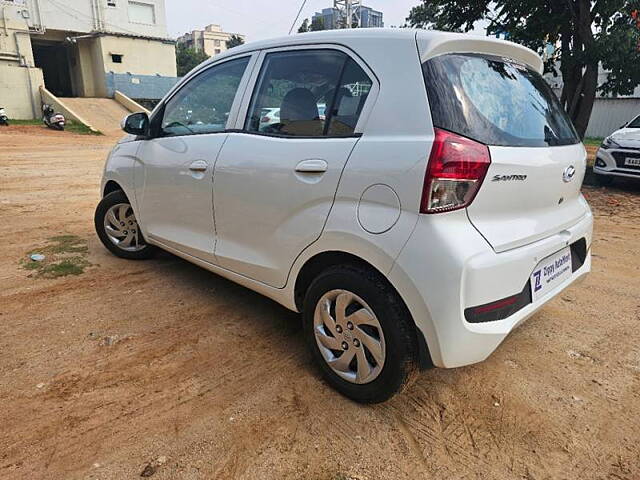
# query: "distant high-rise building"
[330,18]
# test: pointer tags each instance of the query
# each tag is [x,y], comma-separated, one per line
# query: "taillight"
[265,120]
[457,167]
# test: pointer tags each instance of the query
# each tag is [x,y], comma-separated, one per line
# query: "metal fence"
[609,114]
[140,87]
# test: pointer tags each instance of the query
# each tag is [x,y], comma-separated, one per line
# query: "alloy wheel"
[349,336]
[121,227]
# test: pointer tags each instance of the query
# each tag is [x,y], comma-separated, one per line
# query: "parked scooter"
[4,120]
[52,119]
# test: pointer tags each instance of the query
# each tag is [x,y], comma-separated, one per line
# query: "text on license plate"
[633,162]
[550,272]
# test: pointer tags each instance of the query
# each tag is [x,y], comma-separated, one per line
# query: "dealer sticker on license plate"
[632,162]
[550,273]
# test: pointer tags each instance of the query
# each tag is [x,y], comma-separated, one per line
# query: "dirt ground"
[161,368]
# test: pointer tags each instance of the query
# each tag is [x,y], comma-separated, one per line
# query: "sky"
[260,19]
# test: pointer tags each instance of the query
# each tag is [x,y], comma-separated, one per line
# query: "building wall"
[19,79]
[85,16]
[22,83]
[144,57]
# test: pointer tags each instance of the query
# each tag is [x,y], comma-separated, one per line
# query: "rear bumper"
[447,267]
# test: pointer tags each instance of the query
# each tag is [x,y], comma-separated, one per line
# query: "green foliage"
[593,141]
[71,126]
[581,34]
[64,255]
[304,28]
[188,58]
[317,24]
[235,41]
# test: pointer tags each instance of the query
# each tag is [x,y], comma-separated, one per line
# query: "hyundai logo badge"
[569,173]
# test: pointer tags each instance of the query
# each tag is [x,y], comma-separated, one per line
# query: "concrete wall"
[129,103]
[609,114]
[19,90]
[19,79]
[84,16]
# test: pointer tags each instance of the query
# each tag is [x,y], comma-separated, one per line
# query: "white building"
[212,40]
[74,46]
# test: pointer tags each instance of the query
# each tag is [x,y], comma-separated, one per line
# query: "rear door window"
[308,93]
[495,101]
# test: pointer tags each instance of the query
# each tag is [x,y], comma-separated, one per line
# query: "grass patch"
[71,126]
[593,141]
[64,255]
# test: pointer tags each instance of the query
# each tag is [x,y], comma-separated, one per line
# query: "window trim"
[158,113]
[241,121]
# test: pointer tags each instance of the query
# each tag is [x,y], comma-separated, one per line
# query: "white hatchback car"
[434,208]
[619,154]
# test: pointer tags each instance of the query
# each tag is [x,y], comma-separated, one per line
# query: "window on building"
[315,93]
[111,3]
[142,13]
[203,105]
[218,51]
[216,43]
[116,58]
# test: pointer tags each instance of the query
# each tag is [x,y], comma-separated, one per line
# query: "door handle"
[312,166]
[199,166]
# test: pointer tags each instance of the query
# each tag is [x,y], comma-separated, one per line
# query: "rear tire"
[378,334]
[118,228]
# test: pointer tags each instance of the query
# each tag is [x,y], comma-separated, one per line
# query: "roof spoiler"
[432,44]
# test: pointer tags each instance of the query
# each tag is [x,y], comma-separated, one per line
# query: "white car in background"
[619,154]
[269,117]
[434,209]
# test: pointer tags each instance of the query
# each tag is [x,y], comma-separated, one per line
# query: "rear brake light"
[457,167]
[265,120]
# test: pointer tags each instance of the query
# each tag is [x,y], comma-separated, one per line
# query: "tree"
[235,41]
[583,33]
[304,28]
[188,58]
[317,24]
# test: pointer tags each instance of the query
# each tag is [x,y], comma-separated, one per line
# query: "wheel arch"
[110,187]
[319,262]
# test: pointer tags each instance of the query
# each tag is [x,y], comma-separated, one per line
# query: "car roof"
[431,43]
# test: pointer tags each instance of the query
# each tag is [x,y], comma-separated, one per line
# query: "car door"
[275,182]
[174,175]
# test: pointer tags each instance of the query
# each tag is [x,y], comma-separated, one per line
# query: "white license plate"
[632,162]
[551,272]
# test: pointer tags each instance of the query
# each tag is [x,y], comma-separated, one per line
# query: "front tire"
[360,333]
[118,229]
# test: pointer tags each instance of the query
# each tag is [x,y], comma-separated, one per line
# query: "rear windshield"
[495,101]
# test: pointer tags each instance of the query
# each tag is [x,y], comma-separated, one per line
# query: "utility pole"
[348,11]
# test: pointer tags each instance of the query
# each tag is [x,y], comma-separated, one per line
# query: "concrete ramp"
[103,114]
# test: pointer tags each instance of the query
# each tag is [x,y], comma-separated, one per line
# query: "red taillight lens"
[265,120]
[457,167]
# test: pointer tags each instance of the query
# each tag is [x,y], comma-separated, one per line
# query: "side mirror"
[136,124]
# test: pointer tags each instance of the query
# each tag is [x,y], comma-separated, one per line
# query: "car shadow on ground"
[620,184]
